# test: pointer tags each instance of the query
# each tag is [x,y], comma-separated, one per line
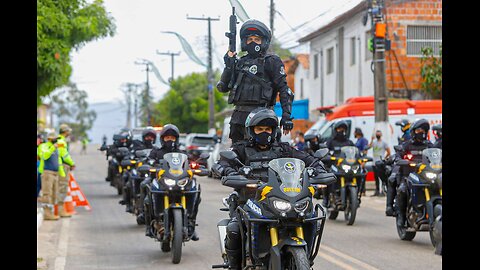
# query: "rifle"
[232,46]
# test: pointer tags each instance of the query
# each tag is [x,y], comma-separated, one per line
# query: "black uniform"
[398,175]
[258,82]
[256,158]
[438,143]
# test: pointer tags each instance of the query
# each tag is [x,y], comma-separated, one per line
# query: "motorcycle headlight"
[301,206]
[346,167]
[282,205]
[169,182]
[183,182]
[355,168]
[431,175]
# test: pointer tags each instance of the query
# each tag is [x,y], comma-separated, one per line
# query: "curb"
[39,217]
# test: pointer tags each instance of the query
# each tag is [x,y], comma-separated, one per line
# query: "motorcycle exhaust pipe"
[222,234]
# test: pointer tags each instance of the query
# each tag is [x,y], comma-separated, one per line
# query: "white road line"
[61,260]
[348,258]
[336,262]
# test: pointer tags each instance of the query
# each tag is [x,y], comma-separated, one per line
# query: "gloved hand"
[229,171]
[229,60]
[286,123]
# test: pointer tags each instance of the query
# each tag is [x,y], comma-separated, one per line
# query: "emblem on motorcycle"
[289,167]
[253,69]
[175,161]
[435,155]
[257,48]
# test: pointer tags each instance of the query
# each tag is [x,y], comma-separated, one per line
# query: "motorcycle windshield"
[289,171]
[432,157]
[350,153]
[175,162]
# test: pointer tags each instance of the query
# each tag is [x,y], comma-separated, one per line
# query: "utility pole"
[146,96]
[172,56]
[272,16]
[380,83]
[211,119]
[127,90]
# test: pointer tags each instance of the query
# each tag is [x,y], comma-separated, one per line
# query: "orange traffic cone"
[68,204]
[77,195]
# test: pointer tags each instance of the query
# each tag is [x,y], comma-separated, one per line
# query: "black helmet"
[420,123]
[261,117]
[149,131]
[437,128]
[169,129]
[255,27]
[404,124]
[340,124]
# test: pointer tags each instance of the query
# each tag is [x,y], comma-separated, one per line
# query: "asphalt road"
[107,237]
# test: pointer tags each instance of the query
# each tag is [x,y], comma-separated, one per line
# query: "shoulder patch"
[282,70]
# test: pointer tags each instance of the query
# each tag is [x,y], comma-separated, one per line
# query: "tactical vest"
[252,86]
[258,160]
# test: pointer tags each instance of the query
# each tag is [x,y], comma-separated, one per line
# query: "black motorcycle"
[280,226]
[350,172]
[424,197]
[166,202]
[141,166]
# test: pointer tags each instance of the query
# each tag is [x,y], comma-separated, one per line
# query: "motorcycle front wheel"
[403,233]
[296,259]
[177,239]
[351,205]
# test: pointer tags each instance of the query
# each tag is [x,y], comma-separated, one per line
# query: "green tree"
[186,104]
[70,106]
[63,25]
[431,72]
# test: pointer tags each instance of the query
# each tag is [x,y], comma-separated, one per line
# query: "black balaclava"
[169,145]
[253,49]
[341,135]
[263,138]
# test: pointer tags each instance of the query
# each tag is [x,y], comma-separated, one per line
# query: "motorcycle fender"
[275,251]
[167,216]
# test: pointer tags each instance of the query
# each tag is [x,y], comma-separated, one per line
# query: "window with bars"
[420,36]
[315,66]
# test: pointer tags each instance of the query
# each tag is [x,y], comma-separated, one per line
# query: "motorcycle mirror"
[398,148]
[323,145]
[403,162]
[320,153]
[309,137]
[323,179]
[229,155]
[204,155]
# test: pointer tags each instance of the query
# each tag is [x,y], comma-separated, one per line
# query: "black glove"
[229,61]
[229,171]
[286,123]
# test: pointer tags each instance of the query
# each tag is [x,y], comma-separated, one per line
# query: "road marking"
[335,261]
[61,261]
[348,258]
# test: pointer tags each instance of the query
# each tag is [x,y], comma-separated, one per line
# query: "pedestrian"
[40,141]
[85,141]
[50,168]
[258,78]
[381,151]
[361,142]
[300,142]
[68,165]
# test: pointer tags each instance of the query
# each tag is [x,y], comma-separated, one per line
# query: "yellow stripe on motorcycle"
[299,231]
[274,236]
[420,169]
[160,173]
[312,190]
[342,182]
[184,202]
[166,202]
[440,192]
[354,181]
[427,194]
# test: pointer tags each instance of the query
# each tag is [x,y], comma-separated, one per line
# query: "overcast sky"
[101,67]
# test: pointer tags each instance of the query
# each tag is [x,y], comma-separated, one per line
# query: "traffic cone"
[68,204]
[77,195]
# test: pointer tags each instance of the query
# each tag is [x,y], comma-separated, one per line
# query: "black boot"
[401,209]
[141,219]
[389,211]
[191,231]
[234,258]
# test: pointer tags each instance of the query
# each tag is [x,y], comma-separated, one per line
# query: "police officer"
[312,144]
[335,144]
[258,78]
[122,139]
[437,131]
[405,127]
[260,148]
[419,130]
[149,135]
